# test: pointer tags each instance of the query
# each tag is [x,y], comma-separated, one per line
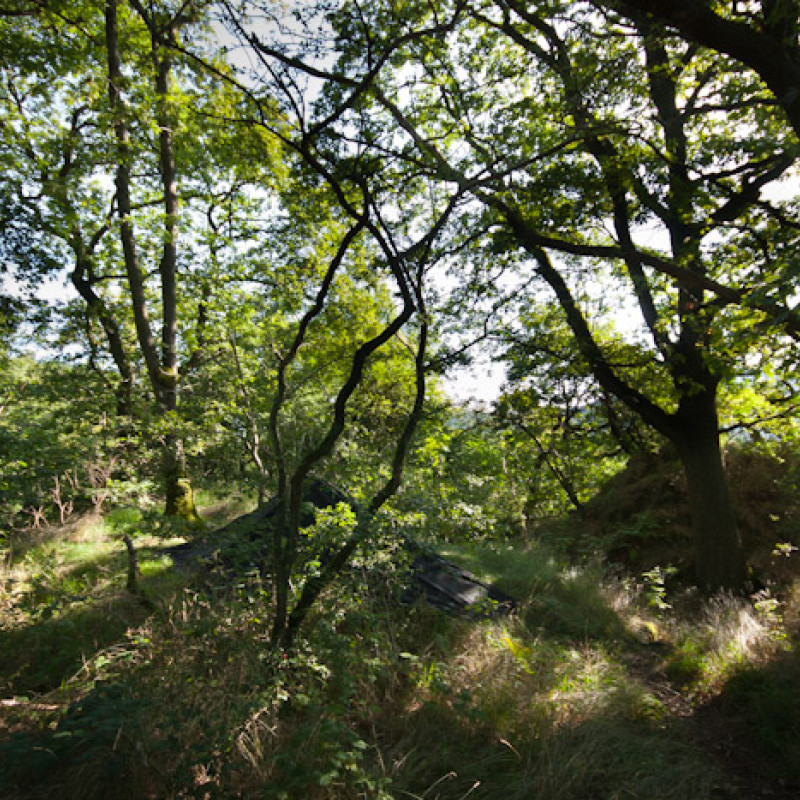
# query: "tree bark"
[178,492]
[162,368]
[771,49]
[81,278]
[718,554]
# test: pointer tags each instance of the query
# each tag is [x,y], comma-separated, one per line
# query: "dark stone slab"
[243,545]
[455,590]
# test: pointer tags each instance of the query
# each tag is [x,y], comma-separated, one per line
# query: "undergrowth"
[601,684]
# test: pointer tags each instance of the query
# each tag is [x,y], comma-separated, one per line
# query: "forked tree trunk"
[162,367]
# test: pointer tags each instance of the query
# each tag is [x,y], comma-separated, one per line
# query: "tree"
[573,131]
[161,361]
[352,260]
[761,35]
[108,165]
[378,212]
[55,436]
[52,153]
[256,321]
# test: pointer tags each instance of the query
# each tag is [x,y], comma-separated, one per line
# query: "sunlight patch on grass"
[532,715]
[90,528]
[152,566]
[727,634]
[518,570]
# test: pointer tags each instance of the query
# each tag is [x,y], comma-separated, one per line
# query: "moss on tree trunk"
[179,495]
[180,502]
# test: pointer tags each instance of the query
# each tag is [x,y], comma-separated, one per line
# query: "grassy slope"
[606,684]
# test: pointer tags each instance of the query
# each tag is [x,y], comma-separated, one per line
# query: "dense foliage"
[247,250]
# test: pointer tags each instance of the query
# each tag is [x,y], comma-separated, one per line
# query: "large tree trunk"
[718,555]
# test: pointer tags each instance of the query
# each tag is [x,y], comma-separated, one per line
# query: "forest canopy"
[260,209]
[251,248]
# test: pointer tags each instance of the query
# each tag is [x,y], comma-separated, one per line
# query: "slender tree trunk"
[162,368]
[133,269]
[81,278]
[314,586]
[132,584]
[179,496]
